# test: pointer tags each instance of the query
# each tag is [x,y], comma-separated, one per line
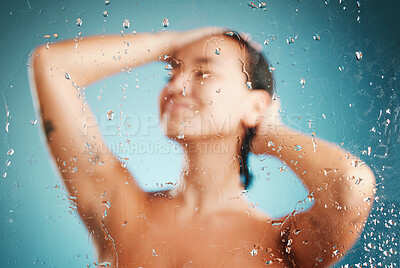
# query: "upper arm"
[91,172]
[324,233]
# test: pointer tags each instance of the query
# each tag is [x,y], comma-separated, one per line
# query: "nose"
[180,84]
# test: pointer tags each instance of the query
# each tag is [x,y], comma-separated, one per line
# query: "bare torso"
[161,236]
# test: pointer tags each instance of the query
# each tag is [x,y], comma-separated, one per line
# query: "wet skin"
[205,221]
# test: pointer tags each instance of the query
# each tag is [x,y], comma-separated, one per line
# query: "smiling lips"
[175,106]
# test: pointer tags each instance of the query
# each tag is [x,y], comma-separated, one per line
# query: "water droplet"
[218,51]
[181,135]
[106,203]
[210,102]
[316,37]
[107,2]
[262,5]
[67,76]
[126,24]
[4,174]
[124,223]
[168,67]
[302,81]
[290,40]
[251,4]
[249,85]
[154,252]
[298,147]
[165,22]
[33,122]
[105,13]
[110,115]
[79,22]
[266,42]
[105,264]
[8,163]
[230,33]
[358,55]
[268,263]
[10,152]
[253,252]
[218,90]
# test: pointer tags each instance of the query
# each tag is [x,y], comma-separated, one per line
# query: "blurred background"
[336,65]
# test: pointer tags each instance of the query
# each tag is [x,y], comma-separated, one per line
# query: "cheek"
[225,111]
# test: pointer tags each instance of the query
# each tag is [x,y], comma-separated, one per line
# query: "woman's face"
[207,90]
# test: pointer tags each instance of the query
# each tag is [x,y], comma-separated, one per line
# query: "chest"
[228,241]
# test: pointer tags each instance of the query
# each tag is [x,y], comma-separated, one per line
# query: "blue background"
[349,102]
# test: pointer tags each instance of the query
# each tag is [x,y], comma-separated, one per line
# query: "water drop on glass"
[249,85]
[316,37]
[10,152]
[165,22]
[181,135]
[67,76]
[262,5]
[218,51]
[105,13]
[107,2]
[126,24]
[303,81]
[33,122]
[251,4]
[290,40]
[253,252]
[358,55]
[110,115]
[168,67]
[79,22]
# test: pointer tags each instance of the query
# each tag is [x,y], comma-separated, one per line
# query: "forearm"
[88,59]
[323,167]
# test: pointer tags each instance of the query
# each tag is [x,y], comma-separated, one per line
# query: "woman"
[219,94]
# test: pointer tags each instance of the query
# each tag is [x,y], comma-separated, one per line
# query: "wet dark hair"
[260,77]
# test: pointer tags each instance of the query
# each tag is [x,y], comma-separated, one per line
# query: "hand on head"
[181,39]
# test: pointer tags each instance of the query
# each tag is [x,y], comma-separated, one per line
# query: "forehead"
[217,50]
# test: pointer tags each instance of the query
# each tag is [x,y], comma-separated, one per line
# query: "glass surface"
[336,67]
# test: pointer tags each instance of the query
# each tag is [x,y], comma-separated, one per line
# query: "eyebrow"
[200,60]
[203,60]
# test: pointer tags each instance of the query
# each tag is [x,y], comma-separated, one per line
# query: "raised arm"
[59,73]
[341,186]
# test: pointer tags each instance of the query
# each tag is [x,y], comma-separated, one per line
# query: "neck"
[210,180]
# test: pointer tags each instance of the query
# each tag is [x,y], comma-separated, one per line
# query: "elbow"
[38,65]
[361,188]
[38,58]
